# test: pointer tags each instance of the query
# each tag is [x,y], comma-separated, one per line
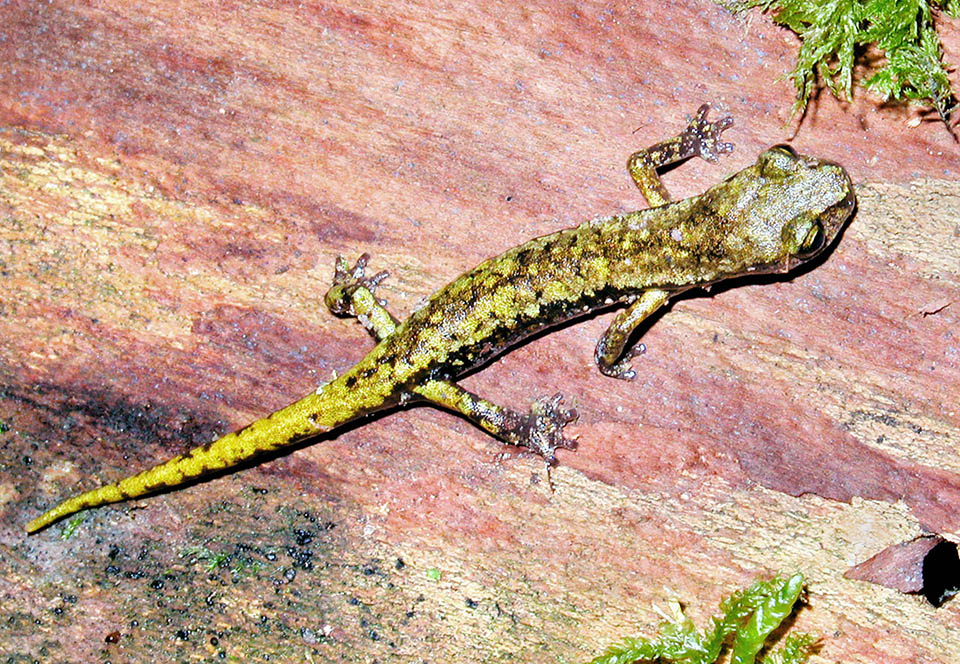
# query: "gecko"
[770,217]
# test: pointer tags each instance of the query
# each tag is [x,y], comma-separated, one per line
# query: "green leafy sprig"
[748,618]
[834,33]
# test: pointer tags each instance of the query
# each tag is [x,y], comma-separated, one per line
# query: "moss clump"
[748,618]
[834,33]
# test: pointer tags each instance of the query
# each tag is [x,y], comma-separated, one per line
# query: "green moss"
[212,559]
[749,616]
[71,526]
[835,34]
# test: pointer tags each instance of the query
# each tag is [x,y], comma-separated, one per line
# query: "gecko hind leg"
[354,294]
[539,430]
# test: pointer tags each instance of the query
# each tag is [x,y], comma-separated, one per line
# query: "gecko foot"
[347,280]
[542,429]
[622,369]
[702,138]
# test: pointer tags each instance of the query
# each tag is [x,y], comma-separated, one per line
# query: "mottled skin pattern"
[770,217]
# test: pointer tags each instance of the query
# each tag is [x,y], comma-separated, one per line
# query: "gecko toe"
[703,136]
[543,430]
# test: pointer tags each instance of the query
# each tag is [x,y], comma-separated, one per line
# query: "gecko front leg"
[609,354]
[701,139]
[540,429]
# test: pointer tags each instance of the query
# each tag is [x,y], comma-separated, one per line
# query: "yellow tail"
[335,403]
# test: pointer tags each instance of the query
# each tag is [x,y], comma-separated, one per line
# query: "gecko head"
[786,209]
[819,194]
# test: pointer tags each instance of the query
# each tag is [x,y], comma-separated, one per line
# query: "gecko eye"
[813,242]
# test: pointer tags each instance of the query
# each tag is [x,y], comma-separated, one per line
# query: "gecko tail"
[330,406]
[100,496]
[224,452]
[173,472]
